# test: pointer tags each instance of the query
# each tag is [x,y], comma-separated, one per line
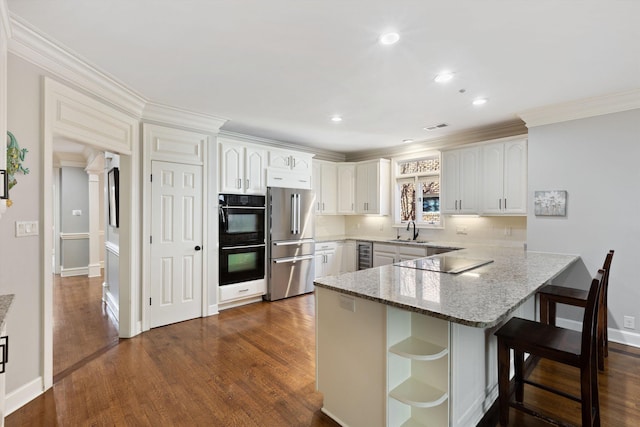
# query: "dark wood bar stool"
[550,295]
[558,344]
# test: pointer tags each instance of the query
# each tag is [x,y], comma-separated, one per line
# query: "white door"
[176,240]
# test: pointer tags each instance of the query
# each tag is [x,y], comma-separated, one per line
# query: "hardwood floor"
[82,326]
[253,366]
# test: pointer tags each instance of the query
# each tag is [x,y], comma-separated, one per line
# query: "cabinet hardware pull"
[247,184]
[500,204]
[456,208]
[294,162]
[323,206]
[460,204]
[243,290]
[239,182]
[505,203]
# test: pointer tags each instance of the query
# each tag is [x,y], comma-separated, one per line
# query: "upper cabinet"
[373,187]
[242,168]
[346,188]
[504,178]
[288,160]
[325,184]
[460,181]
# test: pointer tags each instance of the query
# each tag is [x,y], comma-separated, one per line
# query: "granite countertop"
[5,303]
[481,297]
[404,242]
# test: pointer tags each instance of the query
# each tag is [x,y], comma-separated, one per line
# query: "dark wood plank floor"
[252,366]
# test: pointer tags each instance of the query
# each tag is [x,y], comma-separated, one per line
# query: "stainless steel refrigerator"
[290,243]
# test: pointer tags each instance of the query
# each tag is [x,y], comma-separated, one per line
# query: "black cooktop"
[444,263]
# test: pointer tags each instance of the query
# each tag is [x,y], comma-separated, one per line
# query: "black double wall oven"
[242,238]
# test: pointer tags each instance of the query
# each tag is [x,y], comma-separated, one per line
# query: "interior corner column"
[94,223]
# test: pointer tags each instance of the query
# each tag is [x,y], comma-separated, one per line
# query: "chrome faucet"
[415,231]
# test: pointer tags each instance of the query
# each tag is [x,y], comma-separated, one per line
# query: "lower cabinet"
[388,254]
[241,293]
[335,258]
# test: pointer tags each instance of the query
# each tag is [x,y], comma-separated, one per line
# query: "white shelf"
[412,423]
[418,394]
[417,349]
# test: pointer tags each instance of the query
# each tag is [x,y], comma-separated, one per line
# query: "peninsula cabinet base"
[378,365]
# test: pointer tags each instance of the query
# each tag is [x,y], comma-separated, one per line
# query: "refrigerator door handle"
[298,210]
[293,214]
[293,242]
[292,259]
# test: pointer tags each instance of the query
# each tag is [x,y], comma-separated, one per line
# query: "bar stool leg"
[503,382]
[518,362]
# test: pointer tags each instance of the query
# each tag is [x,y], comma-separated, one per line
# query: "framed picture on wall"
[4,184]
[114,196]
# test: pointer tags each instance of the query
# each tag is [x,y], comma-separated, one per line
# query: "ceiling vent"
[436,127]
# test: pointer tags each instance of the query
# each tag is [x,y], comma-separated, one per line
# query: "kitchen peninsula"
[401,346]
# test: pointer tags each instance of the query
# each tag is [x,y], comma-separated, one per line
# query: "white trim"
[616,335]
[267,143]
[94,270]
[333,417]
[112,248]
[110,301]
[582,108]
[212,310]
[29,44]
[5,22]
[23,395]
[173,116]
[74,271]
[74,236]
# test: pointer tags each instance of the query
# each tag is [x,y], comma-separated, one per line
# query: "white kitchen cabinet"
[324,183]
[347,256]
[243,293]
[242,168]
[290,160]
[373,187]
[384,254]
[459,193]
[327,263]
[346,189]
[504,178]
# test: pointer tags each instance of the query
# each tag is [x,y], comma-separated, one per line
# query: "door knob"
[198,248]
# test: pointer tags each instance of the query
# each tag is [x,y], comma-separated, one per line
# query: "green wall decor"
[15,157]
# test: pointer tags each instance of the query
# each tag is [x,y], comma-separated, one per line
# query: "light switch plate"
[26,228]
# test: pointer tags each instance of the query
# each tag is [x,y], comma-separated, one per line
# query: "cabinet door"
[449,193]
[383,258]
[492,178]
[362,187]
[515,177]
[231,167]
[316,185]
[468,181]
[329,187]
[319,264]
[346,189]
[280,159]
[255,170]
[348,258]
[301,162]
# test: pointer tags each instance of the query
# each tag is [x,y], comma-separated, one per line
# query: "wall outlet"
[26,228]
[629,322]
[461,229]
[507,231]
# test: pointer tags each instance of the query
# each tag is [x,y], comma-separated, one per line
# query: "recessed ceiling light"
[336,119]
[479,101]
[435,127]
[443,77]
[389,38]
[407,141]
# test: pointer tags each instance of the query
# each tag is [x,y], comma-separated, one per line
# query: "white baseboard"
[333,417]
[211,310]
[112,304]
[616,335]
[94,270]
[25,394]
[74,271]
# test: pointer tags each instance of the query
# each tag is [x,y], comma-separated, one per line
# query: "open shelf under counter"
[418,394]
[417,349]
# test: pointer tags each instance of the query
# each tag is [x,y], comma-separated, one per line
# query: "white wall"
[21,259]
[597,161]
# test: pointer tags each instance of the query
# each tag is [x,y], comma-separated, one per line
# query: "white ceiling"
[281,68]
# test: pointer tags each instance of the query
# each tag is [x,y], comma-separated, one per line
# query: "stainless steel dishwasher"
[365,255]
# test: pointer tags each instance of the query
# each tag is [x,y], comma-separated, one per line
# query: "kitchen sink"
[409,241]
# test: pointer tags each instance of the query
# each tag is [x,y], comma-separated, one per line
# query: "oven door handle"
[226,248]
[292,259]
[223,218]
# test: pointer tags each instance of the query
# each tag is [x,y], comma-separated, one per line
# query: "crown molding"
[487,133]
[167,115]
[27,43]
[318,153]
[5,22]
[581,109]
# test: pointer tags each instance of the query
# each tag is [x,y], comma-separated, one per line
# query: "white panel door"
[176,240]
[346,189]
[515,177]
